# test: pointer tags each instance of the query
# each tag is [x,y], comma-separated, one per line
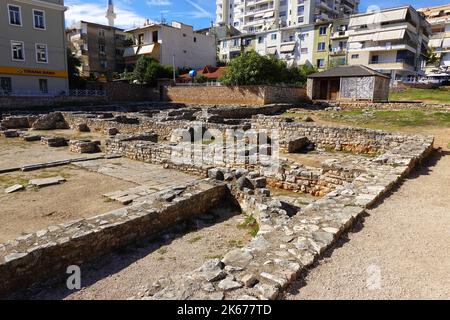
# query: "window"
[15,15]
[235,42]
[300,10]
[101,33]
[155,36]
[101,48]
[5,84]
[300,19]
[273,36]
[41,53]
[43,85]
[374,59]
[355,56]
[323,30]
[17,51]
[140,39]
[260,39]
[304,50]
[195,39]
[39,19]
[104,64]
[321,46]
[320,63]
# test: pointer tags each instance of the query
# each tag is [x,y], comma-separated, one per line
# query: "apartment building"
[330,44]
[33,59]
[392,41]
[249,16]
[176,44]
[99,47]
[439,19]
[292,45]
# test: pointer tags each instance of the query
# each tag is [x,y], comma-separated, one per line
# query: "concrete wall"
[256,95]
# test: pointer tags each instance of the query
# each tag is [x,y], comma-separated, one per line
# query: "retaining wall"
[254,95]
[47,253]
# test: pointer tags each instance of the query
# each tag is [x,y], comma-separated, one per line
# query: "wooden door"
[334,89]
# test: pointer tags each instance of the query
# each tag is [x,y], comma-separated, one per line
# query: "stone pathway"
[399,250]
[150,175]
[151,178]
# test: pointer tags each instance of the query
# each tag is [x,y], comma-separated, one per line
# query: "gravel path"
[399,250]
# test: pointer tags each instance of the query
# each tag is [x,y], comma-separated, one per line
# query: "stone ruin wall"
[337,138]
[47,253]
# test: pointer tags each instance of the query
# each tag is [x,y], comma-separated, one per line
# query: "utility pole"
[173,67]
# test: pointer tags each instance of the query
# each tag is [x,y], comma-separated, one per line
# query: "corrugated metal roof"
[348,71]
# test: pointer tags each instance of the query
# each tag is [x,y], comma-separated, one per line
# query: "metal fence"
[51,94]
[196,84]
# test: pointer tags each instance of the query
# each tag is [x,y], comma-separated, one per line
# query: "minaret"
[110,15]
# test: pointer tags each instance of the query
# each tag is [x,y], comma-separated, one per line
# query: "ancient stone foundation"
[47,253]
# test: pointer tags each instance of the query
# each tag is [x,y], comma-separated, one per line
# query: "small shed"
[348,83]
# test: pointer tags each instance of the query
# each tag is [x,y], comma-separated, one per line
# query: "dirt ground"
[128,273]
[400,249]
[33,209]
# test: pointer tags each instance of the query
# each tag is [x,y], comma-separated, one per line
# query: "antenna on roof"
[163,20]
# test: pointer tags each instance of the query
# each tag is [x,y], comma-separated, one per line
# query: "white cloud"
[200,12]
[93,12]
[159,2]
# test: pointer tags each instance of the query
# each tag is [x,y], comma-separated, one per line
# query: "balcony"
[338,51]
[339,34]
[399,65]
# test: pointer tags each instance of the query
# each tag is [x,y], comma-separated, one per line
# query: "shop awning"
[389,35]
[287,48]
[446,43]
[435,43]
[271,50]
[361,38]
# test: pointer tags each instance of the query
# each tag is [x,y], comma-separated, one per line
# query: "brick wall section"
[47,253]
[255,95]
[117,91]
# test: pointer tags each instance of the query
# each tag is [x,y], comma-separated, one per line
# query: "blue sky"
[198,13]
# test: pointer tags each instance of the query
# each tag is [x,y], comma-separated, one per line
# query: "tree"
[140,70]
[431,57]
[156,71]
[250,68]
[73,65]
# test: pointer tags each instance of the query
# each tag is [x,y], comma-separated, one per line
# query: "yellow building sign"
[33,72]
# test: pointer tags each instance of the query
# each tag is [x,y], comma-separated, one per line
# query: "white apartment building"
[439,19]
[177,43]
[293,45]
[249,16]
[392,41]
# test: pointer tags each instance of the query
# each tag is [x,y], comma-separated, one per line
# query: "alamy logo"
[74,280]
[373,281]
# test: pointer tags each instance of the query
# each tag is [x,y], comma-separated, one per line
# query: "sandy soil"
[31,210]
[130,272]
[399,250]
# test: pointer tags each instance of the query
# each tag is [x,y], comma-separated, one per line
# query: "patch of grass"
[195,239]
[390,119]
[438,95]
[250,224]
[214,257]
[162,250]
[8,181]
[235,244]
